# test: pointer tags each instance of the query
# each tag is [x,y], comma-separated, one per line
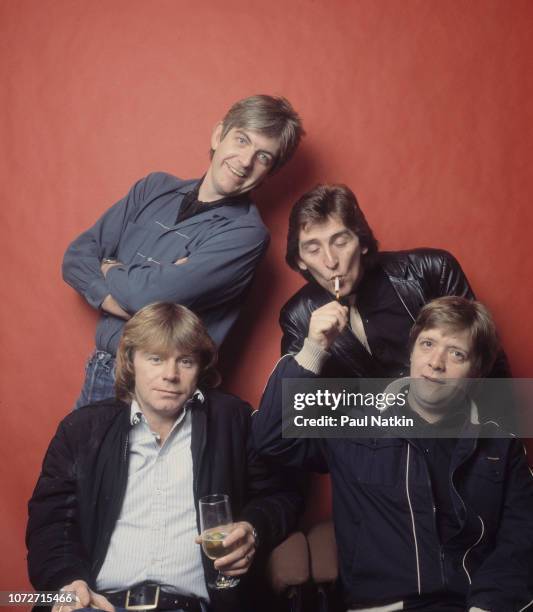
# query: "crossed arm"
[216,268]
[111,305]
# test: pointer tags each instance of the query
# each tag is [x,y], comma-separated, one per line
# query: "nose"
[331,261]
[170,370]
[437,360]
[246,157]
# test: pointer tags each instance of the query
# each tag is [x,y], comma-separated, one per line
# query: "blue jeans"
[99,379]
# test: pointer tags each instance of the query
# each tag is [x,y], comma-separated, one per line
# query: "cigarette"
[337,288]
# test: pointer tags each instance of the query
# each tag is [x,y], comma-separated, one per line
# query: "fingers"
[83,597]
[105,267]
[180,261]
[240,531]
[326,323]
[101,602]
[238,560]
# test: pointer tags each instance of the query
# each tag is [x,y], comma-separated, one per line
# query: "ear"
[301,264]
[216,136]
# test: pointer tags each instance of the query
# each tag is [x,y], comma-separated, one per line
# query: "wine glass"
[216,524]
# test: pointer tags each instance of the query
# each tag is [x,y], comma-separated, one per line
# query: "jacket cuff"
[66,576]
[260,523]
[96,292]
[312,357]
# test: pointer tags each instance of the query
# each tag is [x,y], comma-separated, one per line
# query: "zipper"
[466,458]
[473,546]
[457,493]
[412,518]
[401,299]
[441,552]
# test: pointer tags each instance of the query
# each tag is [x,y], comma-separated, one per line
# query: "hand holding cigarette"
[326,323]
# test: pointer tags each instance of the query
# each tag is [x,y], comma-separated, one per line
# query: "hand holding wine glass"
[230,545]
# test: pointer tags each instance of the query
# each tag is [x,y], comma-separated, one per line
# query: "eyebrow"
[452,346]
[245,136]
[459,348]
[344,232]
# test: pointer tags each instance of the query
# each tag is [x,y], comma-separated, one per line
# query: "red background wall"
[422,106]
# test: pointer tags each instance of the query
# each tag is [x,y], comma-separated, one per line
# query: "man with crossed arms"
[193,242]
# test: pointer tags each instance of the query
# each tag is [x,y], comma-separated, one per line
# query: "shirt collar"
[189,186]
[136,415]
[194,185]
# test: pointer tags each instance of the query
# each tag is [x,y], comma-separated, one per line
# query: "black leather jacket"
[417,276]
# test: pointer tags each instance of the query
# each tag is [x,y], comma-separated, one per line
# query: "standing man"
[194,242]
[330,243]
[437,521]
[114,515]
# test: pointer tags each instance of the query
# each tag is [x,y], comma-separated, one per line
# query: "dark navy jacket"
[383,510]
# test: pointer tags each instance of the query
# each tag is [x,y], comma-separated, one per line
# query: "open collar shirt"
[154,537]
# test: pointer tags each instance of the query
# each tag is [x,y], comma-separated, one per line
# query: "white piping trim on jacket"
[272,371]
[473,546]
[526,606]
[148,258]
[412,518]
[531,474]
[169,228]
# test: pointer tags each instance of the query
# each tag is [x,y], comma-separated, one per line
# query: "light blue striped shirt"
[153,540]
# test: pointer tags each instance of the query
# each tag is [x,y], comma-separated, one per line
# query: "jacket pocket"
[490,468]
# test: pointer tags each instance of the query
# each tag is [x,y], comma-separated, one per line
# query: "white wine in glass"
[216,524]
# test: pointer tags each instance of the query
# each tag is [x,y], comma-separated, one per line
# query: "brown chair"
[288,569]
[324,564]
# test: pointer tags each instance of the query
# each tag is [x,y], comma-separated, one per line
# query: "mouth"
[437,381]
[236,172]
[167,392]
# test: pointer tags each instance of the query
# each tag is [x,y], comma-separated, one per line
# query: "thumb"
[81,590]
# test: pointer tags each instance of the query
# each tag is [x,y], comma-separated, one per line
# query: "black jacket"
[417,276]
[79,494]
[383,510]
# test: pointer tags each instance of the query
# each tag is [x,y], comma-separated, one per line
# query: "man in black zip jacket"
[115,513]
[440,522]
[331,244]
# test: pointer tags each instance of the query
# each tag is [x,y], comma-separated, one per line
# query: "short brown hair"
[270,115]
[316,206]
[163,327]
[457,314]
